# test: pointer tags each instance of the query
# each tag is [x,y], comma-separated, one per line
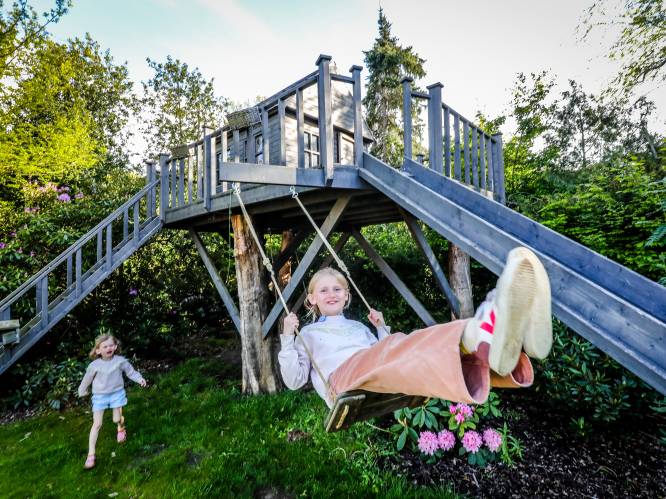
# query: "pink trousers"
[427,362]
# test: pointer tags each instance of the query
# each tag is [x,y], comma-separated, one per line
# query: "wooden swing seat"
[359,405]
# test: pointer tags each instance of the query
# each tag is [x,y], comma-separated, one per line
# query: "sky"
[256,47]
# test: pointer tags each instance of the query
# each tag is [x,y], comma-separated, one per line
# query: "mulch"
[624,461]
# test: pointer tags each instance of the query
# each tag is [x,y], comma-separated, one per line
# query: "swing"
[355,405]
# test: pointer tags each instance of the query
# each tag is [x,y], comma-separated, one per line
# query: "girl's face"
[329,295]
[107,348]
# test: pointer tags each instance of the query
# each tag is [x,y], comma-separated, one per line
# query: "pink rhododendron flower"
[133,292]
[452,408]
[428,443]
[492,439]
[472,441]
[2,245]
[79,195]
[64,188]
[64,198]
[13,233]
[465,410]
[460,418]
[446,440]
[32,254]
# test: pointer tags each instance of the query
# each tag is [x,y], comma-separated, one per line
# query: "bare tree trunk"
[259,368]
[461,280]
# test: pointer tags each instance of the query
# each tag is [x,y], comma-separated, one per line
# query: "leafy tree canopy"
[641,44]
[178,102]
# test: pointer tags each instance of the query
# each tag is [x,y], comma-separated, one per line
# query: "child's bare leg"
[98,417]
[119,419]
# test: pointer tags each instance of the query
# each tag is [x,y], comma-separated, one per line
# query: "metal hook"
[294,194]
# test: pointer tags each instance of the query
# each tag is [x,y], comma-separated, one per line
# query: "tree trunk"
[259,368]
[461,281]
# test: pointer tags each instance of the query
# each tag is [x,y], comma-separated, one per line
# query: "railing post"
[407,116]
[6,313]
[265,133]
[164,185]
[43,294]
[150,178]
[207,167]
[435,126]
[282,143]
[325,115]
[300,128]
[109,246]
[358,116]
[498,167]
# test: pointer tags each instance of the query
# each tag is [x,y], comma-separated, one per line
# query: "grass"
[191,435]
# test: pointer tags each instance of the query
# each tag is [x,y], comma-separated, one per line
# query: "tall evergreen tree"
[387,63]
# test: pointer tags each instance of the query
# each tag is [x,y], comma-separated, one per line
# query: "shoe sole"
[539,335]
[516,289]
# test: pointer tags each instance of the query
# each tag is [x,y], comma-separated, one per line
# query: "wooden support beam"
[342,240]
[440,277]
[407,116]
[393,278]
[308,258]
[217,280]
[291,248]
[346,177]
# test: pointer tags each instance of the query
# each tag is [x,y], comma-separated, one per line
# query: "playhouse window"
[259,149]
[311,149]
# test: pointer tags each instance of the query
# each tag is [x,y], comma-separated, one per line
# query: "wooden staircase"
[52,292]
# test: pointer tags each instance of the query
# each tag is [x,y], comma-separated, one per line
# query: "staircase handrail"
[18,292]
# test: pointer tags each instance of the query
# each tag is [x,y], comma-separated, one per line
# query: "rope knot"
[267,264]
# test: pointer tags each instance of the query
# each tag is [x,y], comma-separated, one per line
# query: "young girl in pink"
[108,388]
[457,361]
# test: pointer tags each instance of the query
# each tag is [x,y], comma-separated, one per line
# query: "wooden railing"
[457,148]
[190,173]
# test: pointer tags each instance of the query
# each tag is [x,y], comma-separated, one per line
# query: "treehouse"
[309,140]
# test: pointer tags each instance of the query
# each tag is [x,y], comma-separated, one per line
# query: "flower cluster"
[430,442]
[461,412]
[472,441]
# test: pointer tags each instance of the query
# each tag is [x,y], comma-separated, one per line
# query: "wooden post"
[300,128]
[435,126]
[265,132]
[207,169]
[358,116]
[498,157]
[407,115]
[164,185]
[282,154]
[150,177]
[325,115]
[259,370]
[461,281]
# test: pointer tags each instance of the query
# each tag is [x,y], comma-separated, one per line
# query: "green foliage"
[437,414]
[178,103]
[49,384]
[641,45]
[591,387]
[387,63]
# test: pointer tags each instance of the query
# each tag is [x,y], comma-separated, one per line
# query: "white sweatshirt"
[106,376]
[331,341]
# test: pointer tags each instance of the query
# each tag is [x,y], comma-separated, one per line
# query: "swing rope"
[267,263]
[340,263]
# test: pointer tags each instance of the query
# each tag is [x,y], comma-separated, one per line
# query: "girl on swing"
[457,361]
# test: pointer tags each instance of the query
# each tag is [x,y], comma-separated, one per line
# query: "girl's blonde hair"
[313,310]
[101,339]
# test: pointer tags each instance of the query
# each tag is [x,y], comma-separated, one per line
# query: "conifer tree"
[387,63]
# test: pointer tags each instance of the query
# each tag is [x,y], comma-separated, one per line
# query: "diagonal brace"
[393,278]
[308,258]
[217,280]
[430,257]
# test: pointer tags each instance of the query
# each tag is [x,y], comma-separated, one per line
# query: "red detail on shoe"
[489,327]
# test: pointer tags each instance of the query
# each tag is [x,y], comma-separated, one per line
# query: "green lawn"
[191,436]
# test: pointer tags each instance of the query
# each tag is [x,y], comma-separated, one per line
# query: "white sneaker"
[510,314]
